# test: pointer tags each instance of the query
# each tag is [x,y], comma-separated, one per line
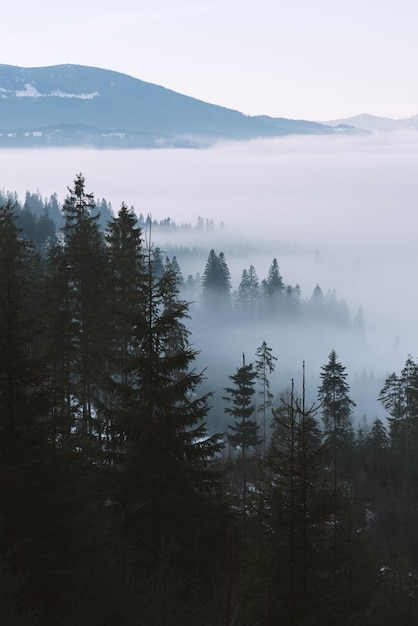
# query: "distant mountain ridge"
[76,105]
[368,122]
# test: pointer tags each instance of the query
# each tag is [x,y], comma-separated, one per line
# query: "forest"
[121,504]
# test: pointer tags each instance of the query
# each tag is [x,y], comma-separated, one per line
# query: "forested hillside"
[210,285]
[76,105]
[121,506]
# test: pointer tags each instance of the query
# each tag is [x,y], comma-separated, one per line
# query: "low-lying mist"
[337,211]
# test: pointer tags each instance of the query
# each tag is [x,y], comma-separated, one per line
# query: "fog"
[338,211]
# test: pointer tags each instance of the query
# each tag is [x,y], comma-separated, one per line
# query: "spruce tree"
[87,275]
[126,290]
[22,394]
[166,486]
[31,523]
[297,510]
[247,295]
[127,274]
[177,271]
[264,365]
[216,284]
[273,285]
[336,405]
[245,430]
[61,349]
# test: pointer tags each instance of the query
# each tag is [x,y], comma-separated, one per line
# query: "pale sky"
[310,59]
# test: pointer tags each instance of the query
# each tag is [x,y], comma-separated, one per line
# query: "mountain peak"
[55,105]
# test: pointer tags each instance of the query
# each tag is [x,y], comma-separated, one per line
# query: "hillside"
[73,105]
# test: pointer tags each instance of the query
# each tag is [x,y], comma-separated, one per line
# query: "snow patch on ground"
[30,91]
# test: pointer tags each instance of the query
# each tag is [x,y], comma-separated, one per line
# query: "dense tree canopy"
[120,504]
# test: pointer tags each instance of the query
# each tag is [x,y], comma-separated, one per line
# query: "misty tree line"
[269,299]
[118,507]
[41,220]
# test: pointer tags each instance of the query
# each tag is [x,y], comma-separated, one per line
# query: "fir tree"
[30,514]
[336,404]
[297,512]
[265,365]
[273,285]
[245,430]
[87,275]
[167,488]
[127,277]
[248,292]
[22,394]
[216,283]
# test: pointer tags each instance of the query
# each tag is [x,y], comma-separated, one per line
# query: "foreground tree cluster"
[118,507]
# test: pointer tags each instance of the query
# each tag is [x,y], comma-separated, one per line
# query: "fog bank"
[338,211]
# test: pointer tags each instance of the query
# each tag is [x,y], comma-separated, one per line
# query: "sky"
[298,59]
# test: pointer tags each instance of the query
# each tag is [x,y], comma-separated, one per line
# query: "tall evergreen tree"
[336,405]
[166,483]
[242,293]
[245,430]
[216,283]
[127,271]
[60,329]
[399,397]
[177,271]
[247,294]
[126,289]
[336,408]
[22,394]
[30,515]
[297,513]
[265,365]
[273,285]
[87,270]
[316,305]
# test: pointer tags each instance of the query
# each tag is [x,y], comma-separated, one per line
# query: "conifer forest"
[138,491]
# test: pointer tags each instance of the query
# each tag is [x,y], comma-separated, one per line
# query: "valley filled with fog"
[339,212]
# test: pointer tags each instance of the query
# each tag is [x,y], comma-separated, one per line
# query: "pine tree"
[265,365]
[245,430]
[247,294]
[297,512]
[399,397]
[242,293]
[393,398]
[336,408]
[127,270]
[336,405]
[177,271]
[87,275]
[273,285]
[216,283]
[127,278]
[22,395]
[167,488]
[377,455]
[61,348]
[30,513]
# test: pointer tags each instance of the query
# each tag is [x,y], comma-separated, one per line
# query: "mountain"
[74,105]
[372,122]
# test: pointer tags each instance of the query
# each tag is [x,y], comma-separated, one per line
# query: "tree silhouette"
[240,397]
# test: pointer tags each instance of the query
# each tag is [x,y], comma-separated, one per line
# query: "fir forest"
[122,503]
